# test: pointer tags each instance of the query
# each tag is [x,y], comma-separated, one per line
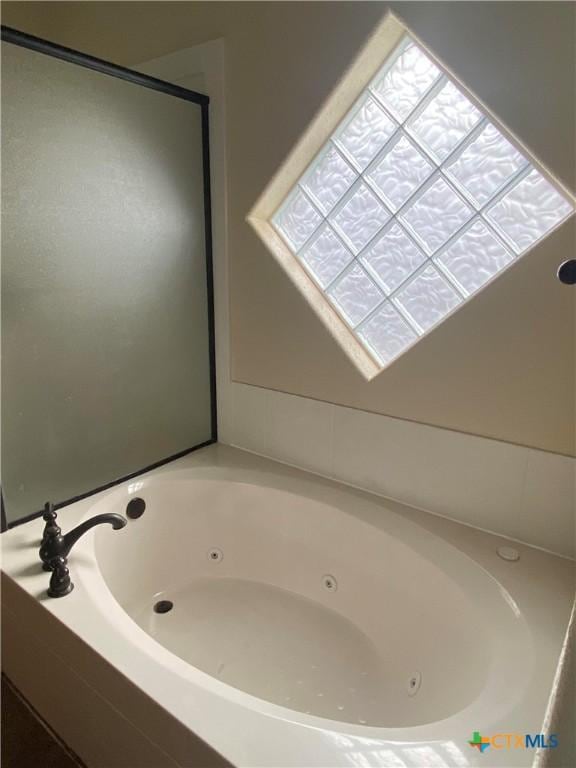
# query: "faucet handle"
[60,582]
[51,529]
[49,513]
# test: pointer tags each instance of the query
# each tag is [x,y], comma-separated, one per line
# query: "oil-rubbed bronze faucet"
[55,547]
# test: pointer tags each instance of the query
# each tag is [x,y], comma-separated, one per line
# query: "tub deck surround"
[411,626]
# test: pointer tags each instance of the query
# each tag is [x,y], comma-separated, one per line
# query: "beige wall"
[503,366]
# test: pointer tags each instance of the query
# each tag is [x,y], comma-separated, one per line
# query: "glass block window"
[414,204]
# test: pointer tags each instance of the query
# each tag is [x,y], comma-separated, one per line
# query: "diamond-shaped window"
[415,202]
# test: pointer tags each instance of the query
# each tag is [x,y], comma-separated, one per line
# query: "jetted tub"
[287,620]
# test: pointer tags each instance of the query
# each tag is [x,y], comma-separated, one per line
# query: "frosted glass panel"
[397,174]
[355,295]
[387,334]
[416,202]
[436,215]
[359,218]
[365,132]
[475,257]
[105,332]
[326,256]
[392,258]
[328,179]
[444,121]
[402,85]
[528,211]
[427,298]
[485,165]
[297,220]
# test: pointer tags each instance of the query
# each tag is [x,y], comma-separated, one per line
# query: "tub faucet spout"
[55,548]
[60,545]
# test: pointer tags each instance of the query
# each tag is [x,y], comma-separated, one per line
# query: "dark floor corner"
[26,740]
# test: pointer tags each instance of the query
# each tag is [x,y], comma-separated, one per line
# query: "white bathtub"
[312,624]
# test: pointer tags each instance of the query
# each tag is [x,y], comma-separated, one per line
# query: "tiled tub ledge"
[522,493]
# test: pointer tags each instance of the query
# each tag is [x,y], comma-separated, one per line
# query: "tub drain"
[163,606]
[135,508]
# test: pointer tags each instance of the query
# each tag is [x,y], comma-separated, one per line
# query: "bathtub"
[256,615]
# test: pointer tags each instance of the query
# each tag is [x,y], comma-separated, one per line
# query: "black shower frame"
[24,40]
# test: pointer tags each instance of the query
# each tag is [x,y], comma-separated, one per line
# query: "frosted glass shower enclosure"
[107,316]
